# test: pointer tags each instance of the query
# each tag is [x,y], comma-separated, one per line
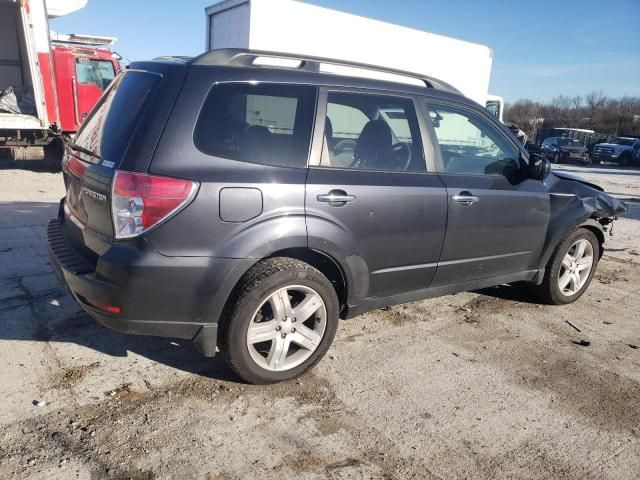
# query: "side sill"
[423,294]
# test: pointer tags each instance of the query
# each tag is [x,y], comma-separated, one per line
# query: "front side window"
[96,72]
[470,145]
[371,132]
[266,124]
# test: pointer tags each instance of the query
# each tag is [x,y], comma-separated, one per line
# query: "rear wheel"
[570,269]
[280,322]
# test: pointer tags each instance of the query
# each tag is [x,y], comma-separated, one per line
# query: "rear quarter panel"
[199,230]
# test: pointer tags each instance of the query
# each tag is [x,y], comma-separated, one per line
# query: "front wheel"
[556,157]
[280,321]
[570,269]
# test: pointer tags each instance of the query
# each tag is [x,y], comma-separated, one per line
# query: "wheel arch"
[558,234]
[325,263]
[594,227]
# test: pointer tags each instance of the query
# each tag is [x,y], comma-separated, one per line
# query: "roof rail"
[173,58]
[247,58]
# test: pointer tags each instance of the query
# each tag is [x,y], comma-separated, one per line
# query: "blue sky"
[562,47]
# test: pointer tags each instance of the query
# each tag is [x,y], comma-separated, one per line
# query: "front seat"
[374,147]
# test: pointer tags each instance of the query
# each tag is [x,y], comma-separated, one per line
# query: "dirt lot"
[476,385]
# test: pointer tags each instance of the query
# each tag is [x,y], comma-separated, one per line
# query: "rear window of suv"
[266,124]
[110,127]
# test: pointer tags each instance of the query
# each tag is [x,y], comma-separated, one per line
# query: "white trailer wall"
[12,50]
[299,28]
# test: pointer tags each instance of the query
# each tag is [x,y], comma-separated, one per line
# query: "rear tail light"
[140,202]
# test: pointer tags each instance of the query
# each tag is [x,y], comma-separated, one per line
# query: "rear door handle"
[465,199]
[336,198]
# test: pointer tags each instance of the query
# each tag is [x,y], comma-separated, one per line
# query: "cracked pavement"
[486,384]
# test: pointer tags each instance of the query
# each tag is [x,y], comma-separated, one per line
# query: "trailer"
[293,27]
[47,86]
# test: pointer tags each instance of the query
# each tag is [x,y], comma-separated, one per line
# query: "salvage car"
[619,150]
[562,149]
[248,201]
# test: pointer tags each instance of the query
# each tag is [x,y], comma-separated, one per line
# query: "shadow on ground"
[35,307]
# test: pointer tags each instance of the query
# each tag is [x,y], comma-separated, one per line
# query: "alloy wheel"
[287,328]
[576,267]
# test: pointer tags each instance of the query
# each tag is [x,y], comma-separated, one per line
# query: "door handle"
[336,198]
[465,199]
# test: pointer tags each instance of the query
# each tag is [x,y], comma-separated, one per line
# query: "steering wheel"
[405,150]
[345,144]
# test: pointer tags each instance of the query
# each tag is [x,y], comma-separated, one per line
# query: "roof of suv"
[232,57]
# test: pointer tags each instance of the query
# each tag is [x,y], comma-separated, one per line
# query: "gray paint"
[401,239]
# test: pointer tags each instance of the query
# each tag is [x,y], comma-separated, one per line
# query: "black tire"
[254,288]
[556,158]
[549,290]
[625,159]
[54,151]
[595,161]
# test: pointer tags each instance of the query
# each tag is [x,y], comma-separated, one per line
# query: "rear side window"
[113,121]
[266,124]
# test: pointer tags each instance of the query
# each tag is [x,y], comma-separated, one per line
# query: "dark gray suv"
[248,200]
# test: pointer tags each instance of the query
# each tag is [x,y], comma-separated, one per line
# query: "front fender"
[575,203]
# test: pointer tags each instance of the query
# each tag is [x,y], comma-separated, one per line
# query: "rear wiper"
[82,150]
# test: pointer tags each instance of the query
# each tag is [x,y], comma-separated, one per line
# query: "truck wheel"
[625,159]
[570,269]
[280,321]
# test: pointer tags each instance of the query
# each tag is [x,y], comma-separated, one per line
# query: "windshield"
[110,126]
[569,142]
[623,141]
[494,108]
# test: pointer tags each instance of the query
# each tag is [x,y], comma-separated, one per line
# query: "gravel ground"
[476,385]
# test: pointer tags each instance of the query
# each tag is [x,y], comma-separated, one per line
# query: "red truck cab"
[49,82]
[81,75]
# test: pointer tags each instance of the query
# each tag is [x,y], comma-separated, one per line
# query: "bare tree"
[594,111]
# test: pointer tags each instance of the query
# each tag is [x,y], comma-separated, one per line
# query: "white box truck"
[288,26]
[48,82]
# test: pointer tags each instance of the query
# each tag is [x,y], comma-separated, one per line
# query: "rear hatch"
[120,133]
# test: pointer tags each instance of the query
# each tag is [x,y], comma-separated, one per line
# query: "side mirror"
[539,167]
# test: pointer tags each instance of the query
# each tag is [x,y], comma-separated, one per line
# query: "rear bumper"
[179,297]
